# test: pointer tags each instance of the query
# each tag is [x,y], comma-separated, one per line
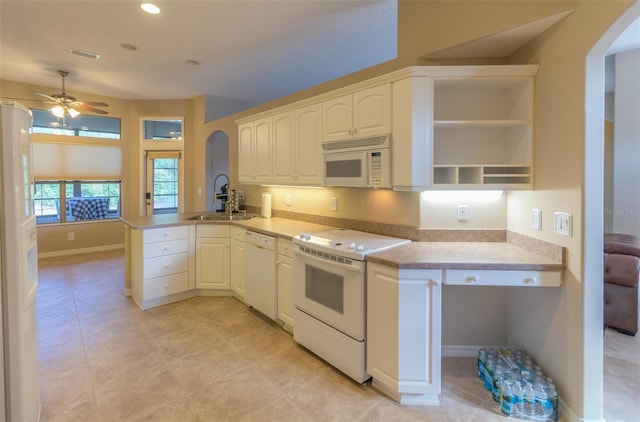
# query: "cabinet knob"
[166,265]
[471,279]
[166,286]
[530,280]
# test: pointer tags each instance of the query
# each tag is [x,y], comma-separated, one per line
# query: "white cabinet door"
[283,148]
[404,312]
[285,289]
[372,111]
[308,146]
[212,263]
[337,118]
[361,114]
[245,152]
[237,267]
[255,151]
[263,159]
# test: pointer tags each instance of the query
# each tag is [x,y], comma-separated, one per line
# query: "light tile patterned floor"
[212,359]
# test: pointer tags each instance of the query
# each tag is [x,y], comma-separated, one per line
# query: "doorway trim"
[593,212]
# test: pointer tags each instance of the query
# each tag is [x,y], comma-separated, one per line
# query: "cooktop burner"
[348,243]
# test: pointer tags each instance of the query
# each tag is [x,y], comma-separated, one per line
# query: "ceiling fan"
[68,105]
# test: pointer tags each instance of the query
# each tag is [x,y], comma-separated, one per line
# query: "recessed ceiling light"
[84,53]
[150,8]
[192,62]
[129,47]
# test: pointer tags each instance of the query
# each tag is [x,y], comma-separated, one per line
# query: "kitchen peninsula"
[404,287]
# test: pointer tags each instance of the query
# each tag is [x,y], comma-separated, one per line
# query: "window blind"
[52,161]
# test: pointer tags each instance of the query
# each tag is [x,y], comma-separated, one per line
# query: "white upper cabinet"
[464,127]
[297,154]
[255,151]
[361,114]
[308,149]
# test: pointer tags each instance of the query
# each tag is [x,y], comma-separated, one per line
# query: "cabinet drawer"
[166,265]
[237,233]
[166,248]
[285,247]
[212,230]
[502,278]
[167,285]
[166,233]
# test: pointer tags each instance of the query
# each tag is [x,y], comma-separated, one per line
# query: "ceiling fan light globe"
[58,111]
[73,112]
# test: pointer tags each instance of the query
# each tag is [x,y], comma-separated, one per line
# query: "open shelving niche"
[482,132]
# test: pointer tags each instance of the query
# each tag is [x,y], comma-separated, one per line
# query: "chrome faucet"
[216,196]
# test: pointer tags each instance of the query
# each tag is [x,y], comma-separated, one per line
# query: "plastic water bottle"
[482,356]
[543,407]
[526,407]
[553,399]
[507,399]
[497,382]
[488,373]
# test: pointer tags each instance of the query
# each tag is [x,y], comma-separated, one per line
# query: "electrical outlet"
[334,203]
[287,199]
[536,219]
[563,222]
[463,212]
[71,236]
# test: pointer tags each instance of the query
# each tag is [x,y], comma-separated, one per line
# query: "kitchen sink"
[221,217]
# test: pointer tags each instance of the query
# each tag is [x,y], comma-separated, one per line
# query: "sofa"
[621,274]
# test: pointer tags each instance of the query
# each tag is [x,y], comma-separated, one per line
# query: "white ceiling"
[252,51]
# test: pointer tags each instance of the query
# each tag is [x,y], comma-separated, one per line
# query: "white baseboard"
[79,251]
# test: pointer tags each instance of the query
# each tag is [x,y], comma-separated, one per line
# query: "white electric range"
[330,295]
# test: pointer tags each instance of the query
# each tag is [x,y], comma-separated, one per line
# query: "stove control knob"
[307,236]
[361,247]
[352,245]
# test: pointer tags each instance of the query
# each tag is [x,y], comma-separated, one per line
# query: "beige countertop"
[415,255]
[280,227]
[464,255]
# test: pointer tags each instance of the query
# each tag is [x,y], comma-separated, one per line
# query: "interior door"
[163,193]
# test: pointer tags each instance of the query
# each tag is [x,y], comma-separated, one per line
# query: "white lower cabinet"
[237,261]
[161,260]
[285,282]
[212,256]
[404,333]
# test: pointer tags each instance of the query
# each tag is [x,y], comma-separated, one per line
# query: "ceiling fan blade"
[92,103]
[47,96]
[85,107]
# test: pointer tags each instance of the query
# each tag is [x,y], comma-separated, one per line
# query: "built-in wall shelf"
[471,127]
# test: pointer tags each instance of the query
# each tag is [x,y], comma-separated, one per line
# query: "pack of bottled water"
[518,385]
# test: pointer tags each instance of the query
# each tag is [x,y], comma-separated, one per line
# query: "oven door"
[331,291]
[345,168]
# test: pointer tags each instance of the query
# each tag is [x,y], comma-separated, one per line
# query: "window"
[162,129]
[76,200]
[83,125]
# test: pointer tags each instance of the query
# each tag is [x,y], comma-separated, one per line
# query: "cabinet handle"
[165,234]
[166,286]
[166,248]
[166,265]
[471,279]
[530,280]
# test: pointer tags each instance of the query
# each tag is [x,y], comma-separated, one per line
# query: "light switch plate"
[334,203]
[562,223]
[463,212]
[536,219]
[287,199]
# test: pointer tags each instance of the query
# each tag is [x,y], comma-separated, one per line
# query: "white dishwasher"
[261,283]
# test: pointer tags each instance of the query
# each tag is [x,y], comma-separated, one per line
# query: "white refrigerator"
[18,268]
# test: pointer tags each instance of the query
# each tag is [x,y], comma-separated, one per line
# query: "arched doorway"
[217,156]
[593,206]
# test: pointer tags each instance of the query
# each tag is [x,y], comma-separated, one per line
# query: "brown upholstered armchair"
[621,273]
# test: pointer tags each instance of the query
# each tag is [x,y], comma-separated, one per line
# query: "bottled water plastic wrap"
[518,385]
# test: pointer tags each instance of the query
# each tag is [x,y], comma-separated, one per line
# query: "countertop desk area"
[404,305]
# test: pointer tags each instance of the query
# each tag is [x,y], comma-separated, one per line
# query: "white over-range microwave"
[363,162]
